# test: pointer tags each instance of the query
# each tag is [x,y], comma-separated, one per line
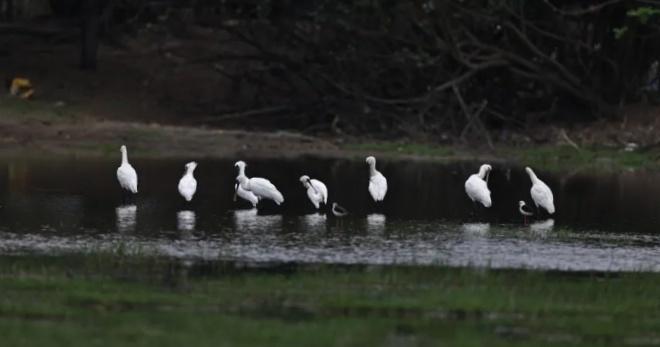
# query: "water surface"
[604,221]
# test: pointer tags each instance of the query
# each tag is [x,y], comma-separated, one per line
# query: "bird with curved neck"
[188,183]
[377,182]
[317,192]
[476,186]
[524,210]
[541,193]
[126,174]
[338,211]
[242,193]
[260,187]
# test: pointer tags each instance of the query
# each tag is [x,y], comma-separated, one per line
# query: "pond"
[605,221]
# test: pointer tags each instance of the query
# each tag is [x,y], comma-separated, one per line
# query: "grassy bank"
[546,157]
[32,128]
[108,300]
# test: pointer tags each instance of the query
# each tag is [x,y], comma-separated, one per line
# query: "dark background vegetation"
[391,67]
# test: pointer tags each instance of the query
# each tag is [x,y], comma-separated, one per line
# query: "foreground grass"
[151,302]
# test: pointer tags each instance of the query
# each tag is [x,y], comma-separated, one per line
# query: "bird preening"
[317,192]
[476,186]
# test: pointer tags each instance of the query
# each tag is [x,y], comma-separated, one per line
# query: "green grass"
[420,149]
[565,157]
[18,109]
[89,300]
[543,157]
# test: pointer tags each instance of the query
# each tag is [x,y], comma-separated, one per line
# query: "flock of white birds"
[255,189]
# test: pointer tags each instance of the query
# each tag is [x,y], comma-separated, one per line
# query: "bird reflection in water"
[476,228]
[314,221]
[376,223]
[126,218]
[542,226]
[185,220]
[249,219]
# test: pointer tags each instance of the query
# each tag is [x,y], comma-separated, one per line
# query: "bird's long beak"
[487,175]
[235,190]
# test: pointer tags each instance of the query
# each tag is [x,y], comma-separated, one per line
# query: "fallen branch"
[244,114]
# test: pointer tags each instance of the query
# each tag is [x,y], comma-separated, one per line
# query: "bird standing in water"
[126,174]
[260,187]
[238,191]
[317,192]
[188,183]
[541,193]
[377,182]
[524,210]
[338,211]
[476,186]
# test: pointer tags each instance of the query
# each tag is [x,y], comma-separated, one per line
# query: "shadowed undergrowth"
[113,300]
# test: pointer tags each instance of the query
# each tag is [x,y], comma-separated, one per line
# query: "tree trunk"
[90,34]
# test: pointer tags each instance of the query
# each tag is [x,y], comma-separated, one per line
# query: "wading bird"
[188,183]
[477,188]
[317,192]
[377,182]
[260,187]
[126,174]
[524,210]
[338,211]
[541,193]
[238,191]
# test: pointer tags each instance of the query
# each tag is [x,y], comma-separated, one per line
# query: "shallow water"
[605,222]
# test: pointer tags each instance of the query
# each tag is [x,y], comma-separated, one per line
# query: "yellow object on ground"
[21,87]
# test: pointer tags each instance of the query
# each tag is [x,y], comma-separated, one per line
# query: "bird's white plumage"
[317,192]
[188,183]
[262,188]
[377,182]
[246,195]
[477,188]
[126,174]
[239,191]
[541,193]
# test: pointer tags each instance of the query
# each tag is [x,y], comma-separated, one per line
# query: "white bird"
[126,174]
[261,187]
[541,193]
[477,188]
[244,194]
[317,192]
[338,211]
[524,210]
[188,183]
[377,182]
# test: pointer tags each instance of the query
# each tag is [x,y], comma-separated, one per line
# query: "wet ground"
[605,222]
